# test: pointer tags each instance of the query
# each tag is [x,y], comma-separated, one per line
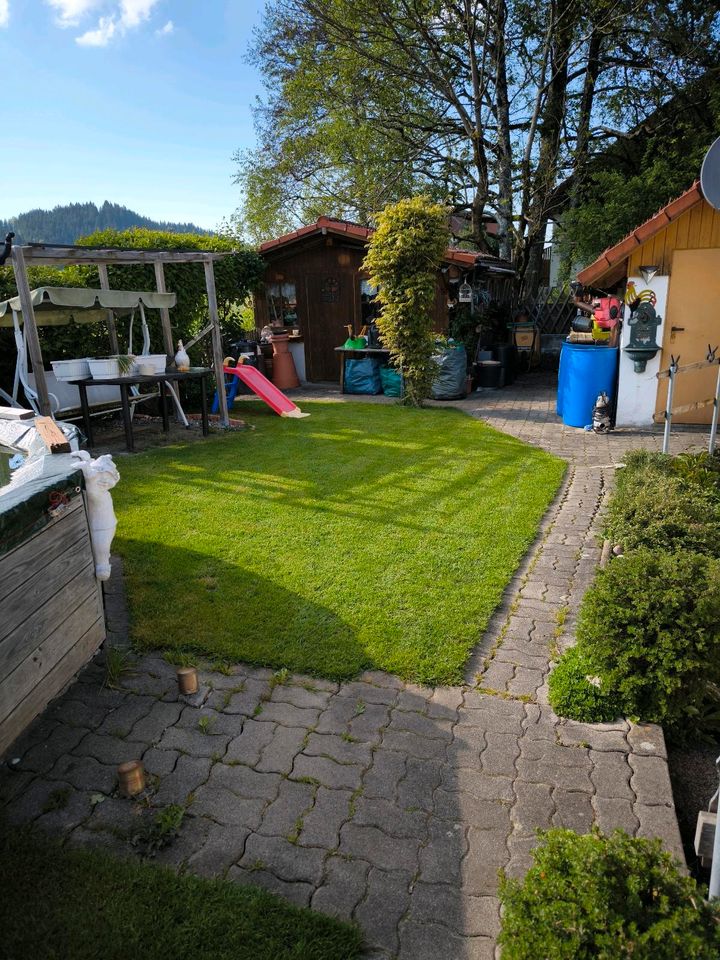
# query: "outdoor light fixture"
[187,678]
[648,272]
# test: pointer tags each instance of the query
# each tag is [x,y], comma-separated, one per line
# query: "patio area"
[376,800]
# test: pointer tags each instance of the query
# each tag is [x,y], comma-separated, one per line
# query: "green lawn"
[61,904]
[362,536]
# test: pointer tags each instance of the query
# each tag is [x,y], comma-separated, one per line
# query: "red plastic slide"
[266,390]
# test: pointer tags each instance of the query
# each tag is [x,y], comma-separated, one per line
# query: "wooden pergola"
[50,255]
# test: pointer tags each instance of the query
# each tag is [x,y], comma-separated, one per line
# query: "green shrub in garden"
[590,897]
[575,691]
[649,628]
[664,513]
[667,503]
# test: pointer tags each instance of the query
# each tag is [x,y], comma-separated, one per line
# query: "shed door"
[330,307]
[694,305]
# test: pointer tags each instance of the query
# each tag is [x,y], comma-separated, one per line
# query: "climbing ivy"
[403,260]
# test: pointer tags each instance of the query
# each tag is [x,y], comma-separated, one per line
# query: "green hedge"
[592,897]
[666,503]
[235,277]
[649,628]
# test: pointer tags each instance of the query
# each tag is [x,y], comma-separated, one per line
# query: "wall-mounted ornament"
[643,324]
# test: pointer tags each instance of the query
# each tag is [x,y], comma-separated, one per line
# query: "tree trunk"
[504,143]
[551,126]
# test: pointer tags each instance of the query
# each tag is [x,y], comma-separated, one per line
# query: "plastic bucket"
[586,370]
[490,373]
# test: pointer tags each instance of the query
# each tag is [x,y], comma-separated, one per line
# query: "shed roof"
[609,262]
[354,231]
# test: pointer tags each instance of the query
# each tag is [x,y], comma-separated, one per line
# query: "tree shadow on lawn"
[367,473]
[182,600]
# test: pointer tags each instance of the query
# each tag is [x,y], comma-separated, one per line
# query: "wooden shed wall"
[695,229]
[306,264]
[52,617]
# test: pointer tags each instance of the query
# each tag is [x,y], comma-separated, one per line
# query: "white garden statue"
[101,475]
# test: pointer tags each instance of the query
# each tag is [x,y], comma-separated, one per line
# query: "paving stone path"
[375,800]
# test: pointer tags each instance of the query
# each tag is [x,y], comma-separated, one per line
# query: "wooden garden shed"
[681,244]
[314,284]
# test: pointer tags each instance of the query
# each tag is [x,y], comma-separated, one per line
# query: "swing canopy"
[53,306]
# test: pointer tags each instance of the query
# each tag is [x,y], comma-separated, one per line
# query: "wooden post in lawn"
[216,341]
[31,334]
[164,312]
[112,329]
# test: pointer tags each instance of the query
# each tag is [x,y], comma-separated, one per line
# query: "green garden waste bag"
[362,376]
[392,385]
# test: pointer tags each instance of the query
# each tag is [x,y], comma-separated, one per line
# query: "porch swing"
[54,306]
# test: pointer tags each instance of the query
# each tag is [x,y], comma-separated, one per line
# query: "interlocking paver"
[383,777]
[337,748]
[386,901]
[442,855]
[343,887]
[327,772]
[288,861]
[247,747]
[416,789]
[188,774]
[611,775]
[321,824]
[289,715]
[194,742]
[279,754]
[298,893]
[284,815]
[43,756]
[224,845]
[392,819]
[376,846]
[467,916]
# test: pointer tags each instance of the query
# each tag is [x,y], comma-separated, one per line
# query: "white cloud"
[70,12]
[134,12]
[163,31]
[101,36]
[5,13]
[128,15]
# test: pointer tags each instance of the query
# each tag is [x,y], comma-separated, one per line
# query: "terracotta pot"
[284,374]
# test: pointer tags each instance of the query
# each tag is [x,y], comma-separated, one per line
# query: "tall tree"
[484,104]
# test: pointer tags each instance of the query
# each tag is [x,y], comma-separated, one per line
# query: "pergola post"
[31,334]
[216,341]
[164,312]
[112,329]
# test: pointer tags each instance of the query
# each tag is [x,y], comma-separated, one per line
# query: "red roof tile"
[615,255]
[346,228]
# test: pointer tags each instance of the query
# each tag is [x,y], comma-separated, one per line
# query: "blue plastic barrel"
[586,370]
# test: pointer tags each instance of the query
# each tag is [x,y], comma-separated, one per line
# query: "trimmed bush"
[649,627]
[574,695]
[666,503]
[592,897]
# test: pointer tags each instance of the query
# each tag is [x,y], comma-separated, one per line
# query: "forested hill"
[66,224]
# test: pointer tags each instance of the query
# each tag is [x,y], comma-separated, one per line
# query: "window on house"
[282,304]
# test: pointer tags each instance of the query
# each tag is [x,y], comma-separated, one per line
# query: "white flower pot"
[106,368]
[157,361]
[71,369]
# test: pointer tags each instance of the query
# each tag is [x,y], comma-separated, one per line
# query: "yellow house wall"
[696,229]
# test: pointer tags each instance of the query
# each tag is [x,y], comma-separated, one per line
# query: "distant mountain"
[66,224]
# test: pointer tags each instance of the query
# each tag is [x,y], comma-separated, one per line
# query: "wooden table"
[362,352]
[161,379]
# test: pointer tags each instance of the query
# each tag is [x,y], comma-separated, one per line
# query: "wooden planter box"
[52,614]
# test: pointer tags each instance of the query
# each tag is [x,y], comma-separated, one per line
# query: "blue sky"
[140,102]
